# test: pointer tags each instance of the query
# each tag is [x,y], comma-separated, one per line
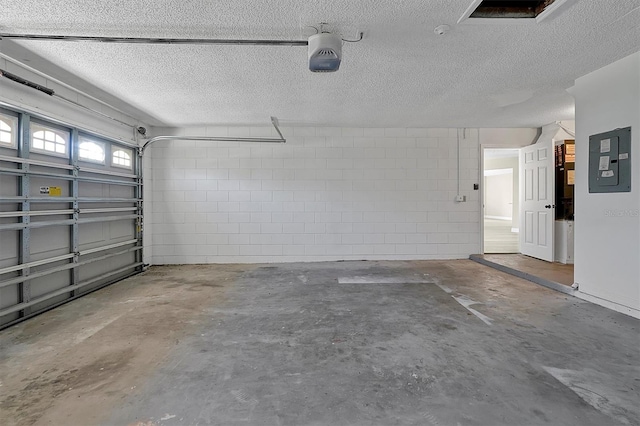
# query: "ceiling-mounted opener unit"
[324,49]
[325,52]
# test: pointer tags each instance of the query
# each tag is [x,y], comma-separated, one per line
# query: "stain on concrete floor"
[69,366]
[288,344]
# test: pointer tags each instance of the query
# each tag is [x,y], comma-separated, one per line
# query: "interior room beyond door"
[500,201]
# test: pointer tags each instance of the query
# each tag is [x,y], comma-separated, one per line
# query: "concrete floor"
[341,343]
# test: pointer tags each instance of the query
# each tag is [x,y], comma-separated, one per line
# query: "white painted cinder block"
[327,194]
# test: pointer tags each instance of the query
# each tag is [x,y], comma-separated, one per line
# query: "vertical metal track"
[73,191]
[24,181]
[139,190]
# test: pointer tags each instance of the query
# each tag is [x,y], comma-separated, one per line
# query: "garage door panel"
[90,189]
[52,301]
[49,242]
[46,219]
[51,158]
[7,151]
[121,192]
[9,296]
[8,184]
[91,235]
[7,319]
[10,218]
[67,226]
[94,271]
[9,248]
[106,205]
[51,204]
[121,229]
[51,282]
[122,189]
[113,277]
[39,185]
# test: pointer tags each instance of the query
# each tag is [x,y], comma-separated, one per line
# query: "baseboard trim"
[635,313]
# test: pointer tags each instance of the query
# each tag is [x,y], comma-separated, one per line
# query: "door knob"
[549,206]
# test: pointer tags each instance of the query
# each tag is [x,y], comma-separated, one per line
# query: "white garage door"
[70,214]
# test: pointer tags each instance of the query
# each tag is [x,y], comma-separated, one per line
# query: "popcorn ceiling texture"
[400,75]
[327,194]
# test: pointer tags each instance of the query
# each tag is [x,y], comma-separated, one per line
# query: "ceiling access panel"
[511,9]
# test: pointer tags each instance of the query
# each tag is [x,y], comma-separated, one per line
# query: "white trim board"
[505,218]
[498,172]
[635,313]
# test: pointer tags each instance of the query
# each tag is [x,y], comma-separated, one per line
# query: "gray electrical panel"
[610,161]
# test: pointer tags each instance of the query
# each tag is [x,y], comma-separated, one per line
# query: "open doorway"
[527,208]
[501,200]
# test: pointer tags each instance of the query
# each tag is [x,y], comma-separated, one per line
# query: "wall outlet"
[461,198]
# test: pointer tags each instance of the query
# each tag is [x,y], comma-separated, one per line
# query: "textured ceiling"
[401,74]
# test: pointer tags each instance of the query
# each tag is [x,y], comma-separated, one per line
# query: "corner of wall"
[607,225]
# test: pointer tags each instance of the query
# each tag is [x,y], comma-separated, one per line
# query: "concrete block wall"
[327,194]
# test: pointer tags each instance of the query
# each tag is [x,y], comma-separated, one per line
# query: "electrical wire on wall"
[459,198]
[480,156]
[458,157]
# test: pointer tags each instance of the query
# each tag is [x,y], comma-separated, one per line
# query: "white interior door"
[537,197]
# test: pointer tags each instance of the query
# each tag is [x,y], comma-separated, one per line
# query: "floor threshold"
[524,275]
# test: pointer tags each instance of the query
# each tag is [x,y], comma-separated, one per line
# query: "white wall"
[607,234]
[508,137]
[563,135]
[508,163]
[327,194]
[498,192]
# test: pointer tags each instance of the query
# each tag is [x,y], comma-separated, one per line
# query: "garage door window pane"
[8,130]
[49,141]
[89,150]
[121,158]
